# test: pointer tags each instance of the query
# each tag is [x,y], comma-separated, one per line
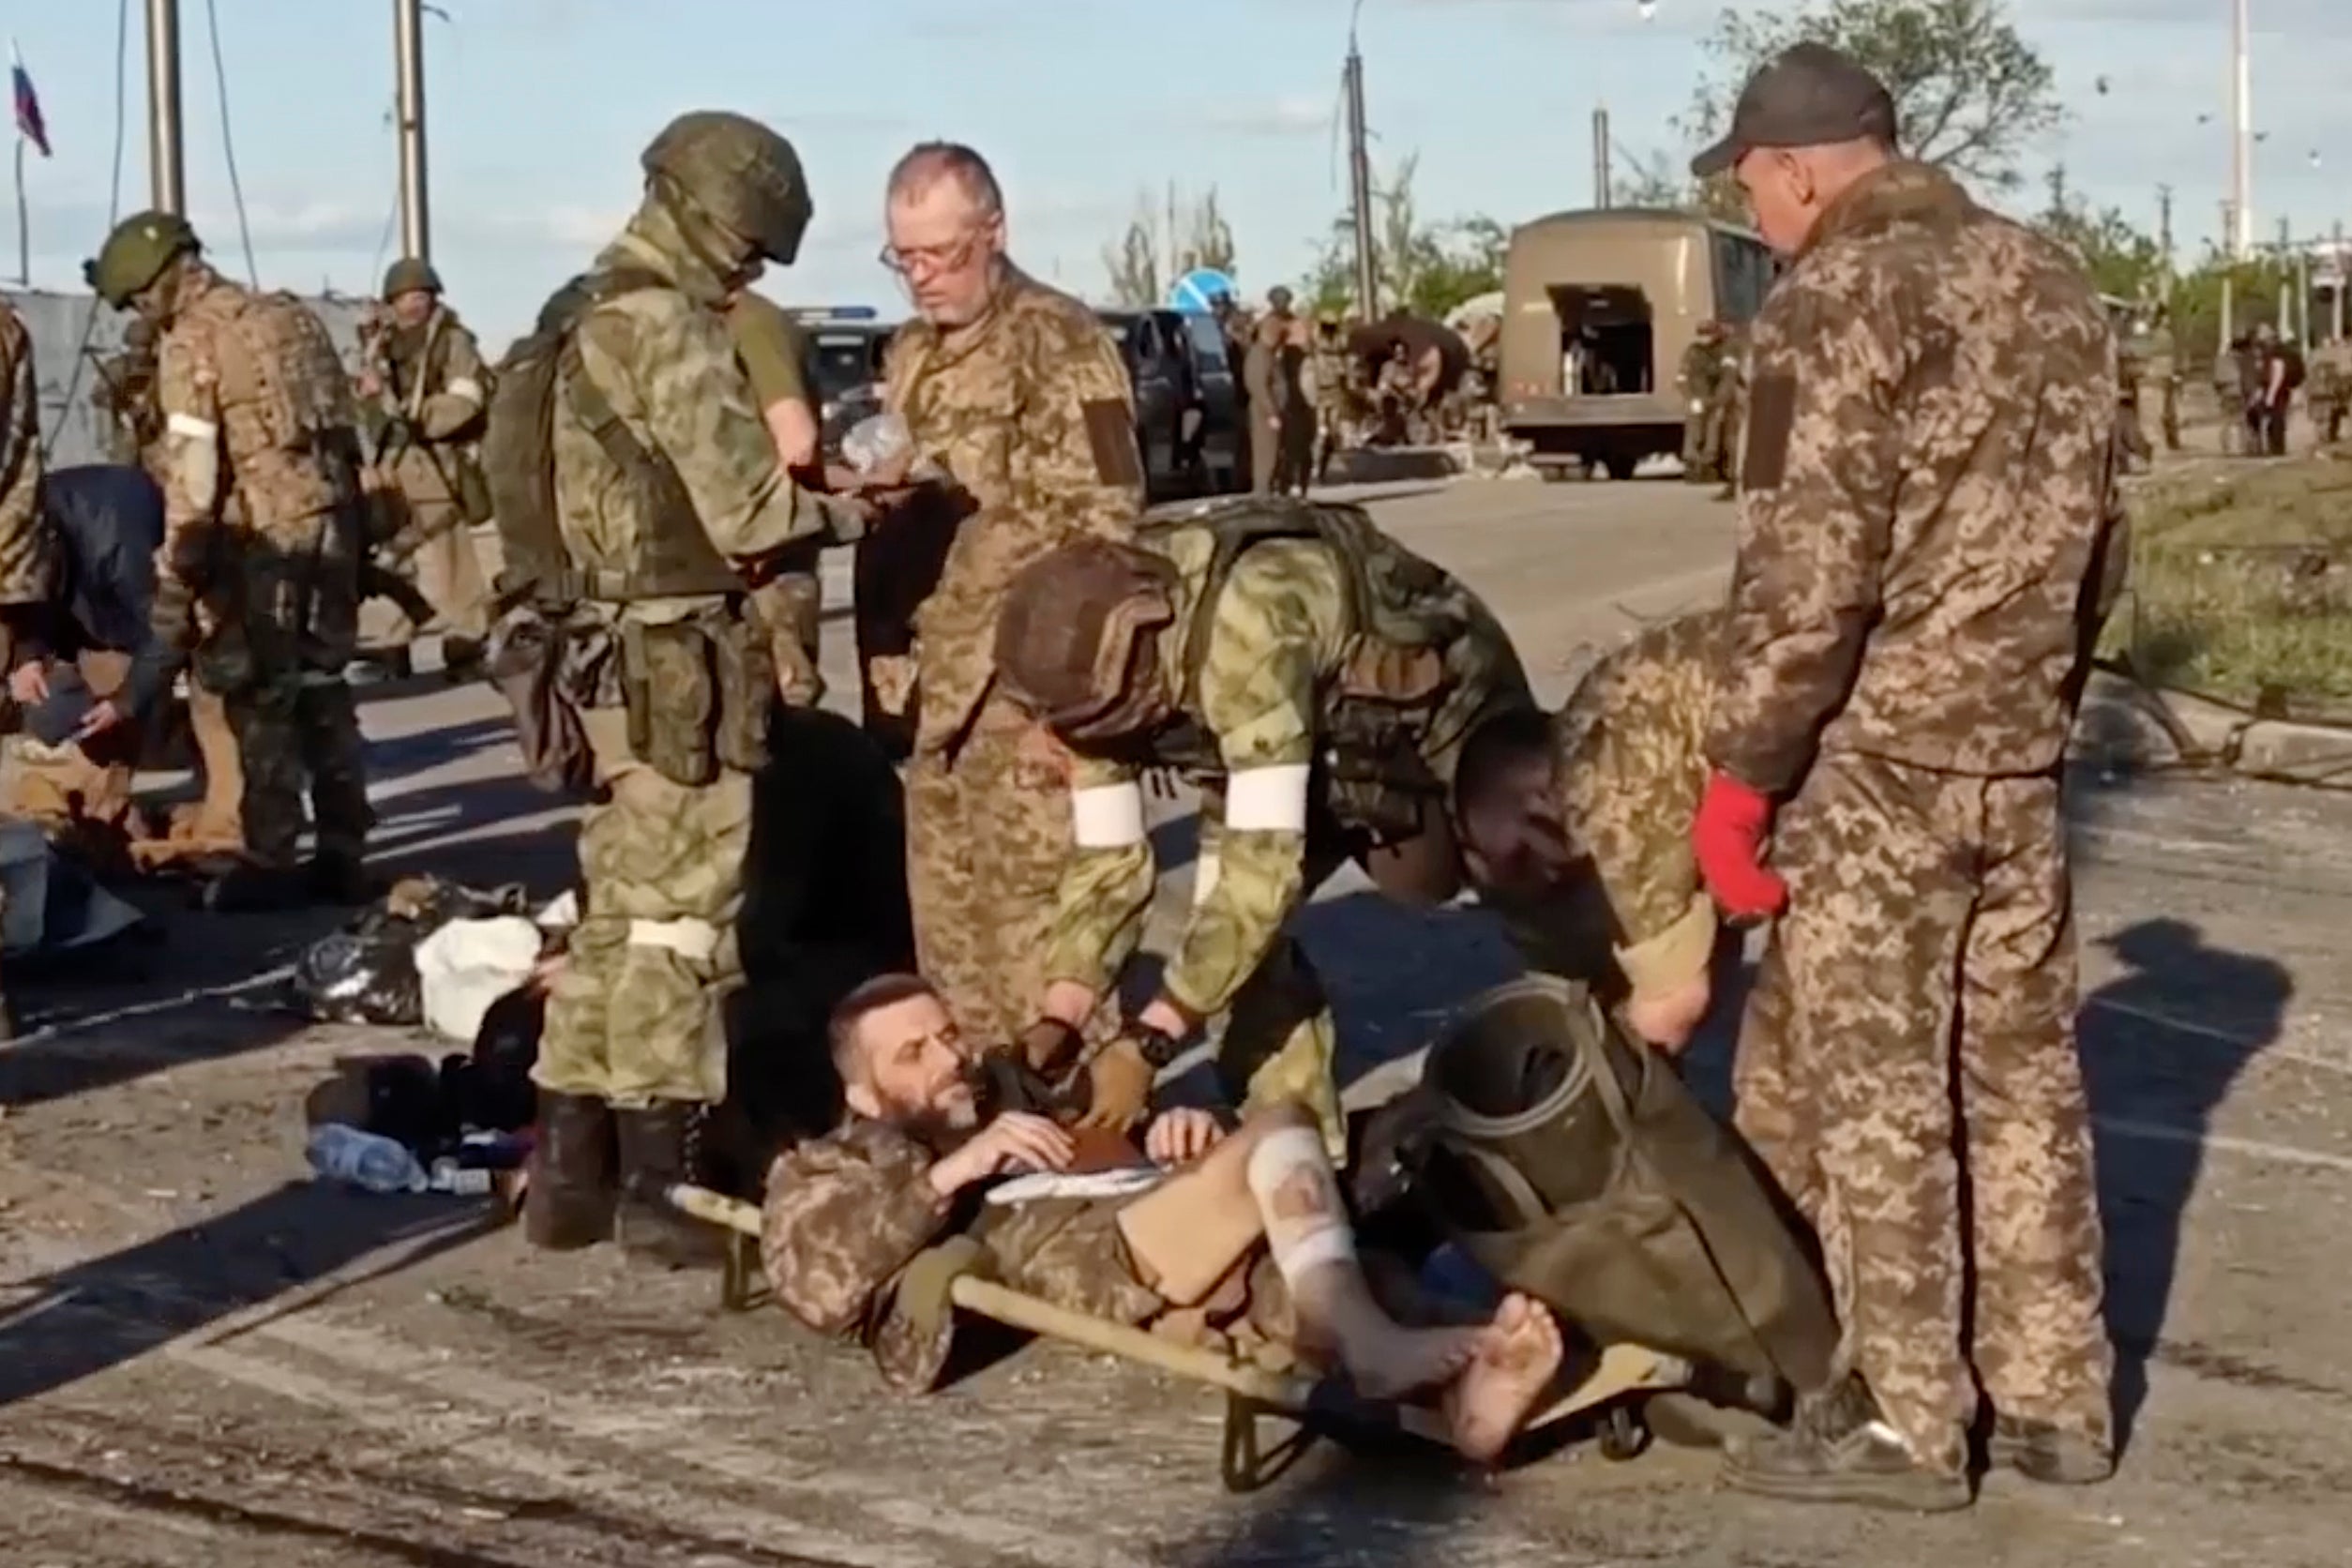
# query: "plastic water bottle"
[464,1181]
[872,442]
[366,1160]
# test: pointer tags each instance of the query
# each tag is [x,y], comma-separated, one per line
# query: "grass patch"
[2242,585]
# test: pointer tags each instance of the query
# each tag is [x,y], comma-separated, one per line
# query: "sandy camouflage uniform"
[848,1214]
[1631,761]
[1704,365]
[1285,650]
[262,552]
[632,1020]
[2331,388]
[435,385]
[2159,369]
[1030,412]
[1263,392]
[28,549]
[775,352]
[1925,537]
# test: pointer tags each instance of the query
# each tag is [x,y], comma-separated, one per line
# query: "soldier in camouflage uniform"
[1015,391]
[1316,680]
[2331,388]
[2159,369]
[1333,367]
[1925,543]
[426,387]
[864,1232]
[259,572]
[667,494]
[28,547]
[1703,368]
[775,356]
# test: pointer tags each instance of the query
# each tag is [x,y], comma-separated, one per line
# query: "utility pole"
[2164,231]
[2287,277]
[1601,172]
[2241,235]
[1360,183]
[408,47]
[2338,269]
[166,181]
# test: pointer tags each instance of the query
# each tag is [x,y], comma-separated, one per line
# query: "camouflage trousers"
[283,625]
[440,562]
[988,835]
[792,606]
[1911,1039]
[636,1013]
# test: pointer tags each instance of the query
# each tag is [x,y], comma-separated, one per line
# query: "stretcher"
[1606,1385]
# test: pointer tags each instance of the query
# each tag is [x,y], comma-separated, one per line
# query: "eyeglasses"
[932,259]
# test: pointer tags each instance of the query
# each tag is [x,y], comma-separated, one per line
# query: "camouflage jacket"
[1631,766]
[664,359]
[28,549]
[1030,413]
[848,1216]
[1259,670]
[260,427]
[1928,486]
[435,380]
[1703,367]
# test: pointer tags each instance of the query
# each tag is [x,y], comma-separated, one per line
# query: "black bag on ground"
[1575,1165]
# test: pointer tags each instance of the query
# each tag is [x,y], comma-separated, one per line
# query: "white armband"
[1107,817]
[1268,800]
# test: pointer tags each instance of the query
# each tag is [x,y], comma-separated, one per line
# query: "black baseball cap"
[1808,96]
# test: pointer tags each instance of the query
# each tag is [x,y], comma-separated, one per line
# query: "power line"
[114,216]
[228,144]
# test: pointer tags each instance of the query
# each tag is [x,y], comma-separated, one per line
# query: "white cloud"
[1293,114]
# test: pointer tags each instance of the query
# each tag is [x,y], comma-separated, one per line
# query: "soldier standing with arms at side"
[2159,357]
[1926,541]
[258,573]
[28,552]
[773,353]
[1017,393]
[1702,439]
[1331,367]
[427,390]
[1263,391]
[667,495]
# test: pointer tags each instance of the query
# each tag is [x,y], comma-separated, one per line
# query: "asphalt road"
[204,1358]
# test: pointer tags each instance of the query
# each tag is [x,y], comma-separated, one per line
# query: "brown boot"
[658,1147]
[570,1201]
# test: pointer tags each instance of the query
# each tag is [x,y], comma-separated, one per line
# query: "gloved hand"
[1048,1047]
[1119,1083]
[1728,840]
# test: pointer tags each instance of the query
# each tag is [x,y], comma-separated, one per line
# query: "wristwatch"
[1158,1047]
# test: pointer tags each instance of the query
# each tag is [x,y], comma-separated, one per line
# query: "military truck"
[1598,308]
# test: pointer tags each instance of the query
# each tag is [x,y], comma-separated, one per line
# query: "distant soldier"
[2331,388]
[2130,369]
[1703,368]
[427,388]
[1295,471]
[1332,367]
[1727,409]
[258,573]
[2160,370]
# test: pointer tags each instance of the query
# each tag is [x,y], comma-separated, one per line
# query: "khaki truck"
[1598,308]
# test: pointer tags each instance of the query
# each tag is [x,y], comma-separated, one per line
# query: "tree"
[1149,258]
[1969,94]
[2121,259]
[1426,268]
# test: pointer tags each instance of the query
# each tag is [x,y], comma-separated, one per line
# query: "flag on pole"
[29,124]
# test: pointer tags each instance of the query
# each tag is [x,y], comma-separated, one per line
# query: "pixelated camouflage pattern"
[664,360]
[1929,468]
[846,1214]
[1000,405]
[1929,943]
[261,549]
[1631,766]
[28,550]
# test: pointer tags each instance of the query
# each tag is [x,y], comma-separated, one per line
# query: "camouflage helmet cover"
[410,275]
[1068,637]
[136,254]
[739,172]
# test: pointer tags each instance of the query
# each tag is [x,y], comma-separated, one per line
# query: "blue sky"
[538,109]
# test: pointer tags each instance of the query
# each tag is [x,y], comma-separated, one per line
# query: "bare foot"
[1396,1363]
[1517,1357]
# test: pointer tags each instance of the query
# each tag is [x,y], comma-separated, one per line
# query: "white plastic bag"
[466,965]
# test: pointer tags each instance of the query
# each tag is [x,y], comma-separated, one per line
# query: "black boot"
[462,660]
[246,888]
[2040,1452]
[1840,1449]
[570,1201]
[338,877]
[658,1147]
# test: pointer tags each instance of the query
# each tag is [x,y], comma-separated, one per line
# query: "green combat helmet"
[136,254]
[739,172]
[410,275]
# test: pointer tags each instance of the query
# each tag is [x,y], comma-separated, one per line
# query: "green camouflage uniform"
[634,1017]
[262,550]
[434,381]
[2160,362]
[1703,366]
[2331,389]
[1030,413]
[28,547]
[1280,653]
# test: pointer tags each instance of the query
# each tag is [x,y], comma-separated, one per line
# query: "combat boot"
[2041,1452]
[570,1201]
[658,1148]
[462,660]
[1840,1449]
[246,887]
[382,667]
[338,877]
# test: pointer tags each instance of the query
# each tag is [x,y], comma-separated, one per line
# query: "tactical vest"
[1399,671]
[287,418]
[1574,1166]
[675,558]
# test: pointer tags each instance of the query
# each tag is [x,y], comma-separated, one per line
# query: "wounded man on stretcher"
[1243,1234]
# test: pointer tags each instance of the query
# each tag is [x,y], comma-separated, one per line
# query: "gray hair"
[926,163]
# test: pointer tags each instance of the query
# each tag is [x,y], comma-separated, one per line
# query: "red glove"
[1727,839]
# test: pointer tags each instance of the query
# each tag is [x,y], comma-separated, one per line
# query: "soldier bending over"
[866,1229]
